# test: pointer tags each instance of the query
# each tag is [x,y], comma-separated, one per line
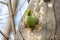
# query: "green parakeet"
[29,19]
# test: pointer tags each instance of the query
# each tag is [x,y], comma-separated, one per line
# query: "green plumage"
[29,19]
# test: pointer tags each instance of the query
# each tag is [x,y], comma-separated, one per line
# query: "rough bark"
[45,28]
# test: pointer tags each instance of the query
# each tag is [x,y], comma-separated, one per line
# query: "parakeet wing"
[30,21]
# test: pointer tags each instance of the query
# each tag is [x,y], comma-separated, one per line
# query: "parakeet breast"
[30,21]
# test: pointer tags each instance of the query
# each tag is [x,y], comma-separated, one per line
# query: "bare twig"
[12,19]
[3,3]
[21,35]
[4,35]
[55,30]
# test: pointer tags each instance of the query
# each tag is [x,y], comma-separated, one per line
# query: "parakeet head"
[28,12]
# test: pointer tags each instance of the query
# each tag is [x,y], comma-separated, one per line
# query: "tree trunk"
[10,23]
[14,5]
[46,22]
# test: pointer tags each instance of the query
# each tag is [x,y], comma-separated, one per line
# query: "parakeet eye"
[47,0]
[29,13]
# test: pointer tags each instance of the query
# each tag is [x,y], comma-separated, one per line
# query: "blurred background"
[48,13]
[4,15]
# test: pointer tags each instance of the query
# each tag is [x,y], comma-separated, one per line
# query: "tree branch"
[4,35]
[3,3]
[55,30]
